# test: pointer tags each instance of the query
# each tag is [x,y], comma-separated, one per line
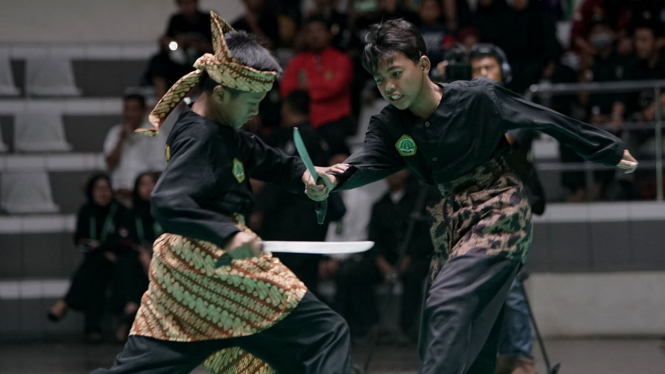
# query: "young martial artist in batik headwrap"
[453,136]
[251,315]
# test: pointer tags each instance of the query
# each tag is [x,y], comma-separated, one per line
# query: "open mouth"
[395,98]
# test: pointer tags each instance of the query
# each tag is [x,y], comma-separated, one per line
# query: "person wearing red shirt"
[326,74]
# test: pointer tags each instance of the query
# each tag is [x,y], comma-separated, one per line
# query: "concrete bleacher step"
[86,123]
[100,70]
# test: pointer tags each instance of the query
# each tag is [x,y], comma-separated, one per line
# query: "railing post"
[659,146]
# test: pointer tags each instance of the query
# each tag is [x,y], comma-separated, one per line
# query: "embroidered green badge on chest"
[238,170]
[406,146]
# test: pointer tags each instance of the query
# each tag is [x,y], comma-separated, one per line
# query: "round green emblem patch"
[406,146]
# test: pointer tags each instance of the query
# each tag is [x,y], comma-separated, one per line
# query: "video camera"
[459,66]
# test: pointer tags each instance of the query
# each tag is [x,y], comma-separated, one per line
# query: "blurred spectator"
[468,37]
[280,215]
[650,65]
[190,28]
[326,74]
[528,38]
[187,37]
[130,278]
[604,110]
[388,228]
[337,21]
[435,33]
[616,14]
[128,153]
[261,18]
[357,276]
[488,20]
[100,231]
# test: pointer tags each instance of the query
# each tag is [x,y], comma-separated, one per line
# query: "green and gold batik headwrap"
[222,67]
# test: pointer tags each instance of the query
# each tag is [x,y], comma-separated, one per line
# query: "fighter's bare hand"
[243,245]
[628,162]
[319,192]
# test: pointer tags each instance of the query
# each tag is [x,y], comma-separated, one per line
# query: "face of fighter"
[233,108]
[400,80]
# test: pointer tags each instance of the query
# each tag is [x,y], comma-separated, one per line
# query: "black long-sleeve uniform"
[206,180]
[467,130]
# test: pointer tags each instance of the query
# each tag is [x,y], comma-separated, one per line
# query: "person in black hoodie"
[100,228]
[130,279]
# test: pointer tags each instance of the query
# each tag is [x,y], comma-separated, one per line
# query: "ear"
[425,64]
[219,94]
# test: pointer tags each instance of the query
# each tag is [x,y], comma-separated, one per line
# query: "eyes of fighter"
[395,74]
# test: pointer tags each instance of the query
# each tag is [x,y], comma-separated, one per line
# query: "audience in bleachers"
[129,153]
[101,234]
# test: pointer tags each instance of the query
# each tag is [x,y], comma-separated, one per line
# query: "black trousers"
[311,340]
[87,292]
[463,313]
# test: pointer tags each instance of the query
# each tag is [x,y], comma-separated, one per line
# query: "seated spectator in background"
[326,74]
[130,278]
[127,153]
[190,29]
[280,215]
[434,31]
[261,19]
[101,231]
[358,275]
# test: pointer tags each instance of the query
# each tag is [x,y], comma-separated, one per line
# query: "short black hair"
[298,100]
[249,52]
[389,37]
[134,96]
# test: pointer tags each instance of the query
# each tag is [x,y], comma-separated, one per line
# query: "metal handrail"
[613,87]
[601,87]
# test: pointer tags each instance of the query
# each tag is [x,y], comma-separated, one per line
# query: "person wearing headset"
[516,340]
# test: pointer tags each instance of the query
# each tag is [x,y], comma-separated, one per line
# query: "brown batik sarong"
[484,211]
[190,300]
